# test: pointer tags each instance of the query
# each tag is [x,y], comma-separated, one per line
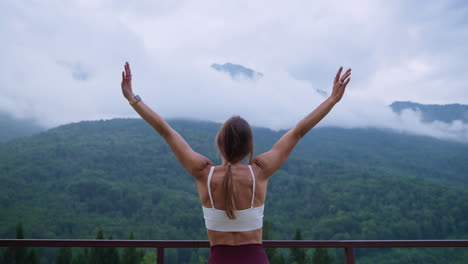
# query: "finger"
[338,74]
[348,71]
[346,82]
[129,76]
[346,75]
[126,69]
[337,77]
[129,71]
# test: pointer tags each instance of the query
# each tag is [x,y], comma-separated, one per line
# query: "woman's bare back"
[242,189]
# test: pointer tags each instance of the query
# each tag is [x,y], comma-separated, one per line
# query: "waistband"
[235,254]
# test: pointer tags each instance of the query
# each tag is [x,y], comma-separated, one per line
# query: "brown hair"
[234,142]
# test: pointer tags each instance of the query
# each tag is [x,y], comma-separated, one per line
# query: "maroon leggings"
[242,254]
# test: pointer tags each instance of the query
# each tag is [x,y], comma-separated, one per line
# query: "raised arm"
[272,160]
[193,162]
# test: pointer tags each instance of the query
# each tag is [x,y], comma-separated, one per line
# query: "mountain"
[432,112]
[237,71]
[11,127]
[338,184]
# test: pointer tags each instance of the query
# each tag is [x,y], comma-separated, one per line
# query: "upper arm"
[192,161]
[272,160]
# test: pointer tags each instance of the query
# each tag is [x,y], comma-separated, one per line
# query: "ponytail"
[228,193]
[234,142]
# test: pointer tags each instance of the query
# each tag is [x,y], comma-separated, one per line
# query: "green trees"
[103,255]
[97,255]
[19,255]
[32,257]
[131,255]
[337,184]
[298,255]
[149,257]
[272,253]
[64,256]
[321,256]
[82,257]
[111,254]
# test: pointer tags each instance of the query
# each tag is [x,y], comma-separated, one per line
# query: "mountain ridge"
[237,71]
[338,184]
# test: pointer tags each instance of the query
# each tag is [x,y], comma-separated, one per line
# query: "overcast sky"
[62,60]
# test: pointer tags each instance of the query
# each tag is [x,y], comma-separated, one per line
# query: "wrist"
[134,100]
[129,96]
[331,100]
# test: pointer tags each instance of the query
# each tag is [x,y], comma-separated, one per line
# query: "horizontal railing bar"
[104,243]
[206,244]
[365,243]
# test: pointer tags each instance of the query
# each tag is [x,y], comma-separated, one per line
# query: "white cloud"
[398,50]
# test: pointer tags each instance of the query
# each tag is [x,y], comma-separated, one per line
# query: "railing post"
[349,253]
[160,255]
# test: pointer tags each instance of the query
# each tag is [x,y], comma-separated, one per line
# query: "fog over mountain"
[11,127]
[63,61]
[448,122]
[431,113]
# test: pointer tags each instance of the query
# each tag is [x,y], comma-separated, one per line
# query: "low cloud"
[78,71]
[410,121]
[63,60]
[354,113]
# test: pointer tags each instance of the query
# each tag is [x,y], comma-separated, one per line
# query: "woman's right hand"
[340,84]
[127,82]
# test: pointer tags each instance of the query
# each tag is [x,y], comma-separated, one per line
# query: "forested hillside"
[119,175]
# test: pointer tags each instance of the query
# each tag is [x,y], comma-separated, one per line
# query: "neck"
[225,163]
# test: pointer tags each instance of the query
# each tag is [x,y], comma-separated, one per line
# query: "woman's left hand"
[127,82]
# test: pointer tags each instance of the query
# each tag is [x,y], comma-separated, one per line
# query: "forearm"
[312,119]
[193,162]
[155,120]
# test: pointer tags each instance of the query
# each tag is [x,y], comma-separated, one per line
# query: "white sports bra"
[246,220]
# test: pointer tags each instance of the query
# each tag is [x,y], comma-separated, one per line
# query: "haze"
[62,60]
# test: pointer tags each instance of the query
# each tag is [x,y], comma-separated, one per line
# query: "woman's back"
[242,186]
[242,183]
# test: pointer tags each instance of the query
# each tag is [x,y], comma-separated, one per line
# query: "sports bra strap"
[209,189]
[253,187]
[208,184]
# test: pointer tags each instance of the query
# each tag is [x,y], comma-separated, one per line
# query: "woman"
[233,194]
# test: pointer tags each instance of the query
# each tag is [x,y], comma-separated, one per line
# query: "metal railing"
[160,245]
